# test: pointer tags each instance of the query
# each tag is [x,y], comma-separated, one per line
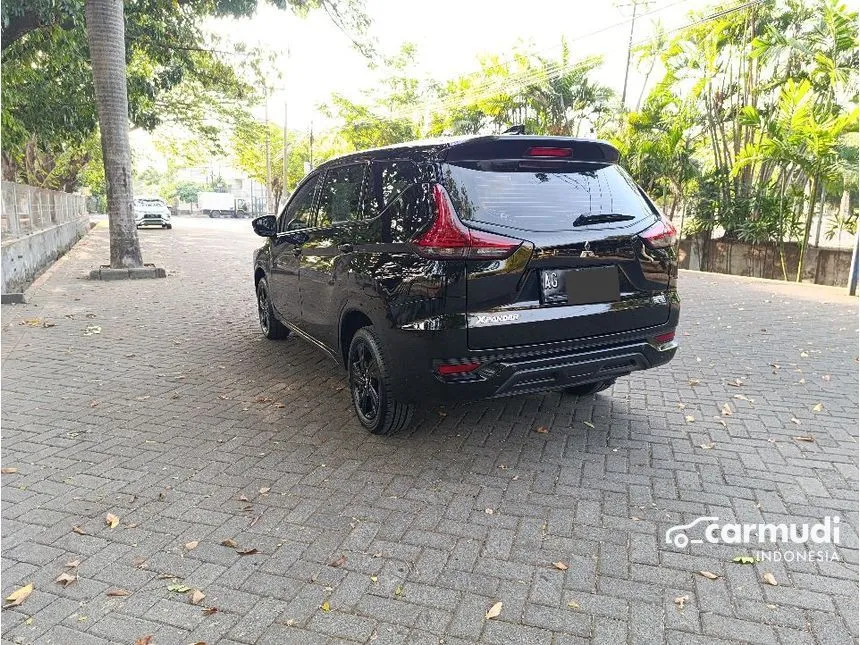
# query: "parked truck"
[221,205]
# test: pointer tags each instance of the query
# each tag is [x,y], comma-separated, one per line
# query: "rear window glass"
[545,199]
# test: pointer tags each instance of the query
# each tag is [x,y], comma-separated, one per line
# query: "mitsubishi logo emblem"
[586,252]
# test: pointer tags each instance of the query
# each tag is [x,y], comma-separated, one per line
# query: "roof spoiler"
[529,147]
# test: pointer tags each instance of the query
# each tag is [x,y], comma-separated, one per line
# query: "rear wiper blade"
[601,218]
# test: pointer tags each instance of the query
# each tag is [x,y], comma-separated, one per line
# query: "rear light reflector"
[549,152]
[661,235]
[664,338]
[447,238]
[459,368]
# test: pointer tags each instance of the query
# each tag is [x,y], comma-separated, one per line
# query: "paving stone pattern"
[159,401]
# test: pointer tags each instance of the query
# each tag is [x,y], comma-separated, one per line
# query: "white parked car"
[151,211]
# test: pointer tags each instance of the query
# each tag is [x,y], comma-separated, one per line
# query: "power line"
[517,82]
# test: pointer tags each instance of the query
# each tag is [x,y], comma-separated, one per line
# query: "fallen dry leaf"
[709,575]
[707,446]
[805,438]
[230,543]
[73,563]
[325,606]
[192,545]
[561,566]
[494,611]
[78,530]
[19,595]
[769,579]
[247,551]
[689,418]
[66,578]
[489,511]
[208,611]
[680,600]
[726,410]
[542,430]
[694,382]
[264,490]
[8,471]
[795,421]
[589,424]
[197,597]
[573,604]
[144,640]
[118,592]
[736,383]
[111,520]
[139,562]
[818,407]
[339,562]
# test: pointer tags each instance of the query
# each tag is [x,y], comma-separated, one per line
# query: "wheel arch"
[351,321]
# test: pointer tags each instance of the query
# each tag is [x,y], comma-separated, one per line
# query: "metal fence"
[27,209]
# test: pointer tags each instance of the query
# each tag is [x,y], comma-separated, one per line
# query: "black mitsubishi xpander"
[468,268]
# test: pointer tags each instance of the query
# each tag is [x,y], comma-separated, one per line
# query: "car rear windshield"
[547,198]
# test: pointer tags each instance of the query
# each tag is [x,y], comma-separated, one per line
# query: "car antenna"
[515,129]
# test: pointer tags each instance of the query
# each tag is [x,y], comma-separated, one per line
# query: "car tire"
[215,214]
[370,386]
[590,388]
[168,226]
[272,328]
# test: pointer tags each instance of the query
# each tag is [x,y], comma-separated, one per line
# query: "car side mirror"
[265,226]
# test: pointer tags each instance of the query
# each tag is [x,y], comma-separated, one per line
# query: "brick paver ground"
[180,419]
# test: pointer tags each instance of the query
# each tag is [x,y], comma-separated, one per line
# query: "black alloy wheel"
[370,386]
[271,327]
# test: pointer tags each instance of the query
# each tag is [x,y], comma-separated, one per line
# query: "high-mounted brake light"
[447,238]
[549,152]
[661,235]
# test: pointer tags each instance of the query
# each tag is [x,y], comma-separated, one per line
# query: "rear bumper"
[521,370]
[528,374]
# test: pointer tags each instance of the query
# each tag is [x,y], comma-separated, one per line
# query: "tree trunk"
[813,193]
[106,37]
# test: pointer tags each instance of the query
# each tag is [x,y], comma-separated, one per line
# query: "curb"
[137,273]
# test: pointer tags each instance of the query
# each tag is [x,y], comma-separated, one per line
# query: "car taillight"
[448,369]
[447,238]
[664,338]
[661,235]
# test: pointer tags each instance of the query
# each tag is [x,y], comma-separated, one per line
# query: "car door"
[325,254]
[293,224]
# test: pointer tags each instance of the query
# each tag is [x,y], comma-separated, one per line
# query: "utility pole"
[311,161]
[635,4]
[286,85]
[269,208]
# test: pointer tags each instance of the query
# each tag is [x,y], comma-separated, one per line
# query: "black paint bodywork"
[328,280]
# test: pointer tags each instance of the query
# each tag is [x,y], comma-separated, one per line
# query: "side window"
[299,211]
[391,178]
[340,197]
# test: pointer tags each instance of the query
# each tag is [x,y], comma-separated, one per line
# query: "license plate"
[580,286]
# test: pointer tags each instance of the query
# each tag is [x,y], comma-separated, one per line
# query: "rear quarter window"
[522,196]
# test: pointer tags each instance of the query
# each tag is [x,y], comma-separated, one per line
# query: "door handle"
[297,251]
[345,248]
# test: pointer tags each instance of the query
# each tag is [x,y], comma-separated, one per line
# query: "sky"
[316,59]
[450,35]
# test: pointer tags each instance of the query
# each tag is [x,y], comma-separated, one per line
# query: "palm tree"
[106,37]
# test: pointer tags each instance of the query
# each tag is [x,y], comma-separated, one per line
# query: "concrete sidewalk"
[161,403]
